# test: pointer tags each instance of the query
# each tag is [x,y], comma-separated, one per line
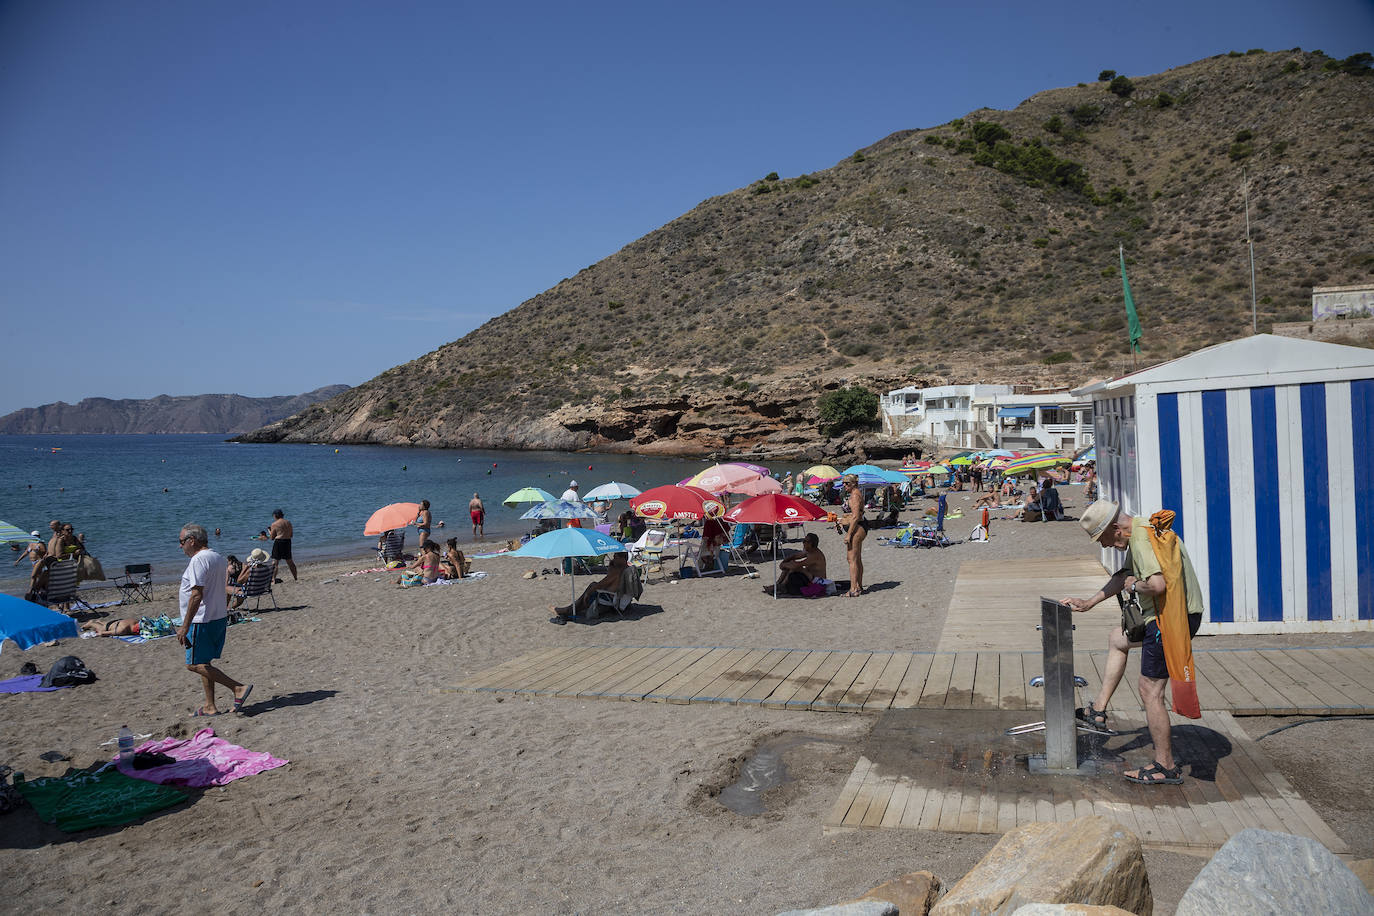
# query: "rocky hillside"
[201,413]
[984,249]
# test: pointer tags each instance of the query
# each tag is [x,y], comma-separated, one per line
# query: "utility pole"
[1250,243]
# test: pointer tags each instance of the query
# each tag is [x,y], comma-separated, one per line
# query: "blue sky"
[266,197]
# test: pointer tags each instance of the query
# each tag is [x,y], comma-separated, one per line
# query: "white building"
[1054,420]
[944,415]
[1264,447]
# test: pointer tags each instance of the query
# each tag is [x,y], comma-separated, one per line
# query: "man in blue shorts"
[205,618]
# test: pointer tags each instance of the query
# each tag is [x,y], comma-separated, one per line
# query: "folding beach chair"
[630,589]
[650,555]
[259,583]
[393,546]
[61,593]
[735,549]
[136,584]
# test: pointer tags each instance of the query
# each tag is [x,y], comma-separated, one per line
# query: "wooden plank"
[857,695]
[687,692]
[1215,817]
[848,793]
[1011,682]
[761,691]
[913,682]
[1208,696]
[729,680]
[882,797]
[937,681]
[841,682]
[809,690]
[788,688]
[885,688]
[987,675]
[1277,673]
[636,660]
[915,805]
[1236,695]
[673,686]
[594,674]
[519,675]
[969,806]
[489,677]
[960,695]
[749,678]
[987,812]
[555,678]
[1320,663]
[896,805]
[669,667]
[1300,816]
[870,787]
[1006,811]
[1025,809]
[642,662]
[1251,695]
[935,802]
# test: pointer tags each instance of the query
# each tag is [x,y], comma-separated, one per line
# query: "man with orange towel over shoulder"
[1159,579]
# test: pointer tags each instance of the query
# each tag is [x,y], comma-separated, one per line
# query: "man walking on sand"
[205,618]
[280,532]
[479,516]
[1145,580]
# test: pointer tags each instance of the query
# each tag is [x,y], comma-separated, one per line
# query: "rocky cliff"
[200,413]
[985,249]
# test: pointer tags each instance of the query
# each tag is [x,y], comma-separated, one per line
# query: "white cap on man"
[1097,517]
[572,485]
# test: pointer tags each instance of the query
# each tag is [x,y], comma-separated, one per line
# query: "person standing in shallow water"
[280,533]
[855,532]
[478,513]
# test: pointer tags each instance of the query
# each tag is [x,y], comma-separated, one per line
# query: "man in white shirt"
[571,492]
[205,617]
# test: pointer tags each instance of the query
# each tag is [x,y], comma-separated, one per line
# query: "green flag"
[1132,320]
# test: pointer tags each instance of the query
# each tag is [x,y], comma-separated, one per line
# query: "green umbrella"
[12,535]
[528,495]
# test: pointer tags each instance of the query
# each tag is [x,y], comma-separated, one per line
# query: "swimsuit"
[281,549]
[477,516]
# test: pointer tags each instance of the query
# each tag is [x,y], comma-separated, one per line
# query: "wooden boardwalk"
[1230,785]
[1306,681]
[996,605]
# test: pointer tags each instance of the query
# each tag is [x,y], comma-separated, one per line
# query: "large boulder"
[1259,871]
[1089,860]
[913,894]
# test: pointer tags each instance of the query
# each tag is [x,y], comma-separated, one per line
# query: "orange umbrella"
[396,515]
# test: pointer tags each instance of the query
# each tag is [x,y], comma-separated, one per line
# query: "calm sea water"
[130,495]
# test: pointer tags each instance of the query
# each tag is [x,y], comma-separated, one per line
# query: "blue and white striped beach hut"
[1264,447]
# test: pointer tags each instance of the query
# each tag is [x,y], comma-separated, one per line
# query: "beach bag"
[1132,617]
[88,569]
[67,671]
[813,589]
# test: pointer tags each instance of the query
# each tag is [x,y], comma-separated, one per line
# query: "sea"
[130,494]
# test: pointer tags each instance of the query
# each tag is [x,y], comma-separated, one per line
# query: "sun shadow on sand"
[304,698]
[24,829]
[634,612]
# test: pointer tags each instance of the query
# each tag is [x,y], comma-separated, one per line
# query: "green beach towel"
[82,800]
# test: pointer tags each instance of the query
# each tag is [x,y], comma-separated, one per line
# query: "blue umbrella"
[870,475]
[560,508]
[29,624]
[568,542]
[612,491]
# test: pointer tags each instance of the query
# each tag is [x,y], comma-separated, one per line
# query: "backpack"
[67,671]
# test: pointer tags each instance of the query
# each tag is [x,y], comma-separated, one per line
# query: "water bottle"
[126,745]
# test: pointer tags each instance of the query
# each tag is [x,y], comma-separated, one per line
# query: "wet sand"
[402,795]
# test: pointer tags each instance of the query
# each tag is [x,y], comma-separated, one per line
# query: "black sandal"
[1091,716]
[1156,775]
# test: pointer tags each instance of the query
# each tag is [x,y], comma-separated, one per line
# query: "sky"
[262,197]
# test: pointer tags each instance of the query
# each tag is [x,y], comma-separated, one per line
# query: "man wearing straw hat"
[1144,579]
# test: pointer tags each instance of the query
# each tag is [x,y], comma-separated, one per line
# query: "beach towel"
[27,683]
[1172,617]
[204,760]
[85,799]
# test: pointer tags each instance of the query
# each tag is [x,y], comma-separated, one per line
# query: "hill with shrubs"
[984,249]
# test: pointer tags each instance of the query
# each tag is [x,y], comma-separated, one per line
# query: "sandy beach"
[403,795]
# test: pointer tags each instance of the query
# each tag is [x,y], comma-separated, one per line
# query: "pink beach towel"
[202,761]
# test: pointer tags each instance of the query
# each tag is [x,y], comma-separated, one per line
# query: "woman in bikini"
[425,569]
[455,565]
[855,532]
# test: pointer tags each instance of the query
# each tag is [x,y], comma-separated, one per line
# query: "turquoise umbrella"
[568,542]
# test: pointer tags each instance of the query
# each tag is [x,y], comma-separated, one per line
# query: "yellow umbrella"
[823,471]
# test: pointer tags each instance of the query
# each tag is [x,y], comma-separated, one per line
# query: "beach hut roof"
[1263,359]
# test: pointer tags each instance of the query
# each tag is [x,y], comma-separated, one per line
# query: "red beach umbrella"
[775,509]
[671,502]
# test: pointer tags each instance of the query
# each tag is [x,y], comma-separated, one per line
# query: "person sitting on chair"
[234,587]
[1051,508]
[798,571]
[610,583]
[1030,507]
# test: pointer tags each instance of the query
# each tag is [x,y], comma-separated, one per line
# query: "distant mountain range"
[197,413]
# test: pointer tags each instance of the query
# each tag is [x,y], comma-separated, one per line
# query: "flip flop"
[560,619]
[238,702]
[200,713]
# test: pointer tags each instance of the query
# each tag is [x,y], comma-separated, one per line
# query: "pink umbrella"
[758,487]
[725,478]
